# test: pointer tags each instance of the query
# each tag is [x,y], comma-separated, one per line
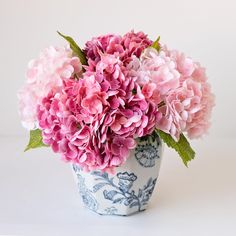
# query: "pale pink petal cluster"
[189,107]
[156,73]
[45,74]
[179,86]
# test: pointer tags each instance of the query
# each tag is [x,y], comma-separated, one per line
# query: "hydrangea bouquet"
[91,105]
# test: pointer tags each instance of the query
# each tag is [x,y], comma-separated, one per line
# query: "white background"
[201,199]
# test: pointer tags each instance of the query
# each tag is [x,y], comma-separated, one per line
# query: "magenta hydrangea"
[124,47]
[94,121]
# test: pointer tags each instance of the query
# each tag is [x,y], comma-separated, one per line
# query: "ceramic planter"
[129,189]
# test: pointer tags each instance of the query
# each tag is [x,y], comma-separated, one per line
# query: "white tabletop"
[38,195]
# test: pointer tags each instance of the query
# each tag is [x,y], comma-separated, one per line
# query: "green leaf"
[36,140]
[156,44]
[75,48]
[182,147]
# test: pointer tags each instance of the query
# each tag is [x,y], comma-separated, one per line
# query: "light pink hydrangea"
[156,73]
[178,86]
[180,106]
[45,74]
[193,101]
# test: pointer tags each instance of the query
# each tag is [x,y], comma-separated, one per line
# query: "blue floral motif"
[86,195]
[118,190]
[111,211]
[126,181]
[147,191]
[121,193]
[146,152]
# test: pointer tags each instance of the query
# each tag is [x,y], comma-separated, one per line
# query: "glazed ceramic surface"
[129,189]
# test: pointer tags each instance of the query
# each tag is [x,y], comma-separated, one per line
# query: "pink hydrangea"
[180,106]
[193,101]
[134,44]
[177,85]
[104,44]
[94,121]
[156,73]
[124,47]
[45,74]
[200,120]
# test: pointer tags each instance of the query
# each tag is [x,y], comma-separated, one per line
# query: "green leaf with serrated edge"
[75,48]
[156,44]
[36,140]
[182,147]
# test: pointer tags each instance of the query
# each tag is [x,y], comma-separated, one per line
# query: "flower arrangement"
[92,104]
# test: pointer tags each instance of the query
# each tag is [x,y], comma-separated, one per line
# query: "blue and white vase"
[129,189]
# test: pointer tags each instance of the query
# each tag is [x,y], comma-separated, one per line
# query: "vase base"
[125,215]
[114,213]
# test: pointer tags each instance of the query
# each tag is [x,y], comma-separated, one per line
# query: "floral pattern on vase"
[86,195]
[129,189]
[147,153]
[122,193]
[111,211]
